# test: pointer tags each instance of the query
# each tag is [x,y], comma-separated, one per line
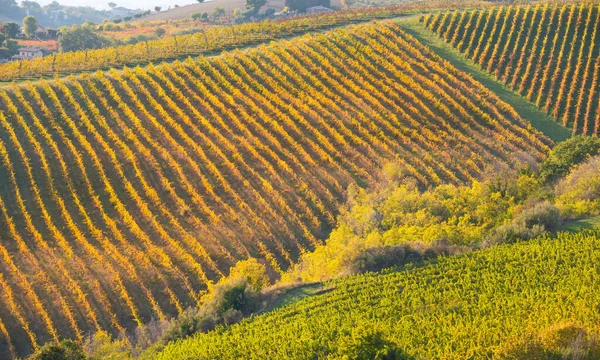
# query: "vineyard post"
[54,63]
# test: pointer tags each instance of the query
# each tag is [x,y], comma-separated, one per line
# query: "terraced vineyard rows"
[548,53]
[459,307]
[209,40]
[150,183]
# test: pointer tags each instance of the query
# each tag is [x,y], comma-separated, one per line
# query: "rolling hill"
[530,300]
[549,54]
[126,192]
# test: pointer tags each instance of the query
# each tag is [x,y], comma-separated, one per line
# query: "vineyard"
[208,40]
[476,306]
[549,54]
[123,193]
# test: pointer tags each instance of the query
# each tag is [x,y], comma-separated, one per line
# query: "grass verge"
[526,110]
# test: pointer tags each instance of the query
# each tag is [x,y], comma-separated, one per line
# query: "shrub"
[368,344]
[101,346]
[578,194]
[533,222]
[64,350]
[566,155]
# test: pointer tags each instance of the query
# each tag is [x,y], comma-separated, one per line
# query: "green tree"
[12,45]
[218,12]
[157,8]
[160,32]
[30,26]
[80,38]
[566,155]
[254,5]
[10,29]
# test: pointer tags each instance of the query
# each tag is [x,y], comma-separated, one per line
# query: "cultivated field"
[549,54]
[125,192]
[507,302]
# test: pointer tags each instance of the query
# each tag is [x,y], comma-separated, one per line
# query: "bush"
[227,302]
[101,346]
[132,40]
[578,194]
[544,214]
[536,221]
[64,350]
[367,344]
[382,257]
[566,155]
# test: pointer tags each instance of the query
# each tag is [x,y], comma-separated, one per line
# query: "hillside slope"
[126,192]
[481,305]
[548,53]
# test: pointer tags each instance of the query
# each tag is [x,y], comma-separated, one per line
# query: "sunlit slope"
[123,193]
[548,53]
[470,306]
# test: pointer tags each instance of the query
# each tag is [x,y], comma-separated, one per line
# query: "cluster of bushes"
[396,222]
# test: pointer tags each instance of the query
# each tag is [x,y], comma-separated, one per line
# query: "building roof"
[30,49]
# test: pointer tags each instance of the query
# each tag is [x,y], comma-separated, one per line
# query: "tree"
[10,29]
[566,155]
[30,26]
[80,38]
[160,32]
[200,1]
[196,16]
[254,5]
[32,7]
[157,8]
[12,46]
[218,12]
[112,5]
[348,3]
[2,38]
